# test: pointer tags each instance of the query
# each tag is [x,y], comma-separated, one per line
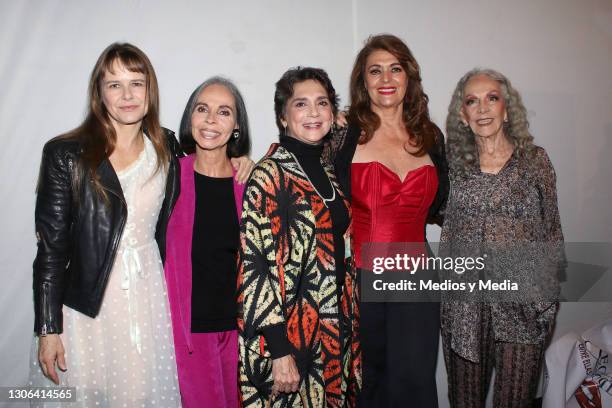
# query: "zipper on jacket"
[46,309]
[116,239]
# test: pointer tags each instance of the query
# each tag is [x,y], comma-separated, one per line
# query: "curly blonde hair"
[461,143]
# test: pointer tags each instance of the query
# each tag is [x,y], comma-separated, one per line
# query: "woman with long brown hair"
[391,162]
[105,193]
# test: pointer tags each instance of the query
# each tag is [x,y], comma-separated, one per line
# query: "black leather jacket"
[77,243]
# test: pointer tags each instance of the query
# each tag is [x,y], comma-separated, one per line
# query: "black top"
[216,237]
[309,158]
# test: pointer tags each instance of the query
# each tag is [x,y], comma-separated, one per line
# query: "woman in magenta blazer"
[202,244]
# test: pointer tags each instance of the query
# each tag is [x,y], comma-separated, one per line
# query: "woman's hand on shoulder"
[243,166]
[50,352]
[342,118]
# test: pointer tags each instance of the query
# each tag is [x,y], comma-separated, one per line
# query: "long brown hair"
[415,113]
[96,135]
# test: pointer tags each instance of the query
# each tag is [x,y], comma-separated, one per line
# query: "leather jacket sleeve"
[173,186]
[52,221]
[173,144]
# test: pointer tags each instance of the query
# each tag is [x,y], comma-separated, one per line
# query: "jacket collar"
[108,179]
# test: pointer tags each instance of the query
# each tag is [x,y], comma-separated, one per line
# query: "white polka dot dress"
[125,356]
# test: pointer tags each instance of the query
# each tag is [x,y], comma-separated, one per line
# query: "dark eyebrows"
[304,99]
[117,81]
[206,105]
[379,66]
[494,92]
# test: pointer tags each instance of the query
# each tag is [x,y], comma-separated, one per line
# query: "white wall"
[557,52]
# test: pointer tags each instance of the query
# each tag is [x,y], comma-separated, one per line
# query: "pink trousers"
[208,377]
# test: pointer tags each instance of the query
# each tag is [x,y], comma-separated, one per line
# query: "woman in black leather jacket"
[105,193]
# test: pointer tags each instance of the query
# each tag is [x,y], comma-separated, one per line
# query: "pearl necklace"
[325,200]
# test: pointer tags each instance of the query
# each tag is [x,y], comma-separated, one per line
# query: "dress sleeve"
[547,188]
[334,144]
[446,234]
[438,208]
[260,295]
[52,218]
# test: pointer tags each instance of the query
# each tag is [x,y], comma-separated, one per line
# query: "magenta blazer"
[178,252]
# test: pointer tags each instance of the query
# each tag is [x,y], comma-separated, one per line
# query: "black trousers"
[399,343]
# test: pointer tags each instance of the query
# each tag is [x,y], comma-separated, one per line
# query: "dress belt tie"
[132,271]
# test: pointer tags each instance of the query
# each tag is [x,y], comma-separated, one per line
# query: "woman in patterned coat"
[297,300]
[502,194]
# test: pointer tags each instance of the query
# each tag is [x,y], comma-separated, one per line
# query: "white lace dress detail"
[125,356]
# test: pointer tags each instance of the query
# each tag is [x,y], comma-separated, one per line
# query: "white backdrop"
[558,53]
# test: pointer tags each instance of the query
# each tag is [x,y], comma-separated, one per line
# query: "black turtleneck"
[309,158]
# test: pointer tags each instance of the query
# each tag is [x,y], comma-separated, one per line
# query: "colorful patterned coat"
[287,276]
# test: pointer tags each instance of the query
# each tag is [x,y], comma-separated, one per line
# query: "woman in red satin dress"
[391,163]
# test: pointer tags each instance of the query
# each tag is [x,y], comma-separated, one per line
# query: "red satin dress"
[387,209]
[399,341]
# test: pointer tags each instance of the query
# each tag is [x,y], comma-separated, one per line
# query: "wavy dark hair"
[236,147]
[285,85]
[415,112]
[461,142]
[96,135]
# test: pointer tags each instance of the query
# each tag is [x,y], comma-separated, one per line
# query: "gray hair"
[236,147]
[461,141]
